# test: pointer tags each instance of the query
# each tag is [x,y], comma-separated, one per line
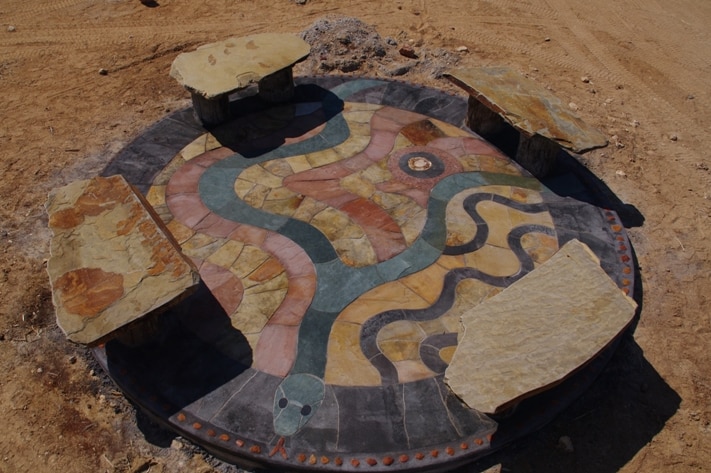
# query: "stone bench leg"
[537,154]
[211,111]
[481,120]
[277,87]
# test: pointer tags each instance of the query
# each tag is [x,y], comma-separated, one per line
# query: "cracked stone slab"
[537,331]
[112,261]
[527,106]
[215,69]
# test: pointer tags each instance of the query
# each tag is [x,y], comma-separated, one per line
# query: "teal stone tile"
[419,256]
[313,342]
[511,180]
[347,89]
[338,285]
[314,243]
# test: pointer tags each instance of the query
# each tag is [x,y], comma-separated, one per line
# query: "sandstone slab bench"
[214,71]
[498,95]
[538,331]
[113,264]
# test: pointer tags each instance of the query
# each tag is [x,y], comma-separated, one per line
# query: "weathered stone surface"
[218,68]
[527,106]
[111,261]
[538,331]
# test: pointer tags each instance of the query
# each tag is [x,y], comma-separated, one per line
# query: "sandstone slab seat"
[538,331]
[498,95]
[112,261]
[215,70]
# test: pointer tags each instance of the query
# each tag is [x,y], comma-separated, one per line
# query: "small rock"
[585,79]
[673,137]
[462,49]
[635,123]
[39,370]
[566,444]
[92,373]
[176,444]
[408,51]
[547,39]
[391,41]
[608,101]
[620,173]
[301,2]
[103,71]
[11,29]
[573,106]
[690,97]
[72,359]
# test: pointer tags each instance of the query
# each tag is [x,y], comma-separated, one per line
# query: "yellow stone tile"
[195,148]
[498,165]
[540,246]
[257,196]
[352,146]
[281,193]
[427,283]
[278,167]
[243,187]
[156,195]
[250,258]
[497,218]
[470,163]
[523,218]
[298,163]
[410,370]
[451,261]
[201,245]
[285,207]
[211,142]
[401,142]
[399,350]
[180,232]
[357,128]
[227,254]
[460,226]
[167,172]
[346,365]
[323,158]
[358,116]
[308,208]
[254,283]
[401,340]
[355,252]
[261,176]
[356,184]
[377,173]
[494,260]
[336,224]
[527,196]
[361,106]
[447,353]
[392,295]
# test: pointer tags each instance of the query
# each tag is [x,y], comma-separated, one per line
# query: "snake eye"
[306,410]
[283,402]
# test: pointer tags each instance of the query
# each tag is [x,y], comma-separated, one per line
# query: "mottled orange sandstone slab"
[112,261]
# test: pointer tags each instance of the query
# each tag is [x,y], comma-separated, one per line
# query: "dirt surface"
[638,70]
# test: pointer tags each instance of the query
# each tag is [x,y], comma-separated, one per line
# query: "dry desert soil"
[638,70]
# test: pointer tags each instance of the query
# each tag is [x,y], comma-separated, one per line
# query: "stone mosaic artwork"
[340,238]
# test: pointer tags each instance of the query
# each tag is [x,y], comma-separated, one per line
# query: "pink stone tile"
[229,294]
[209,158]
[358,162]
[187,208]
[454,146]
[381,144]
[216,226]
[403,117]
[385,243]
[249,234]
[185,180]
[476,146]
[290,255]
[276,349]
[329,172]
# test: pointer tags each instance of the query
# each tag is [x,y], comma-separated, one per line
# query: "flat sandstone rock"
[218,68]
[538,331]
[527,106]
[111,261]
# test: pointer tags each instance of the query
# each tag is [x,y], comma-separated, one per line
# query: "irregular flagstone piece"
[112,261]
[538,331]
[217,68]
[527,106]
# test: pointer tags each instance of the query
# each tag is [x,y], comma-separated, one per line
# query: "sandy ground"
[647,66]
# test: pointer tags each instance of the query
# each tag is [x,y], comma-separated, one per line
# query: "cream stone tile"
[180,232]
[308,208]
[352,146]
[336,224]
[410,370]
[427,283]
[243,187]
[261,176]
[250,258]
[156,196]
[226,255]
[257,196]
[355,252]
[356,184]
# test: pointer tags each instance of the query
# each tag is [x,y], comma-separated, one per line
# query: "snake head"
[296,400]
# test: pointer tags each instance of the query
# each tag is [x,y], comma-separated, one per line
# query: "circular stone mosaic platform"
[336,237]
